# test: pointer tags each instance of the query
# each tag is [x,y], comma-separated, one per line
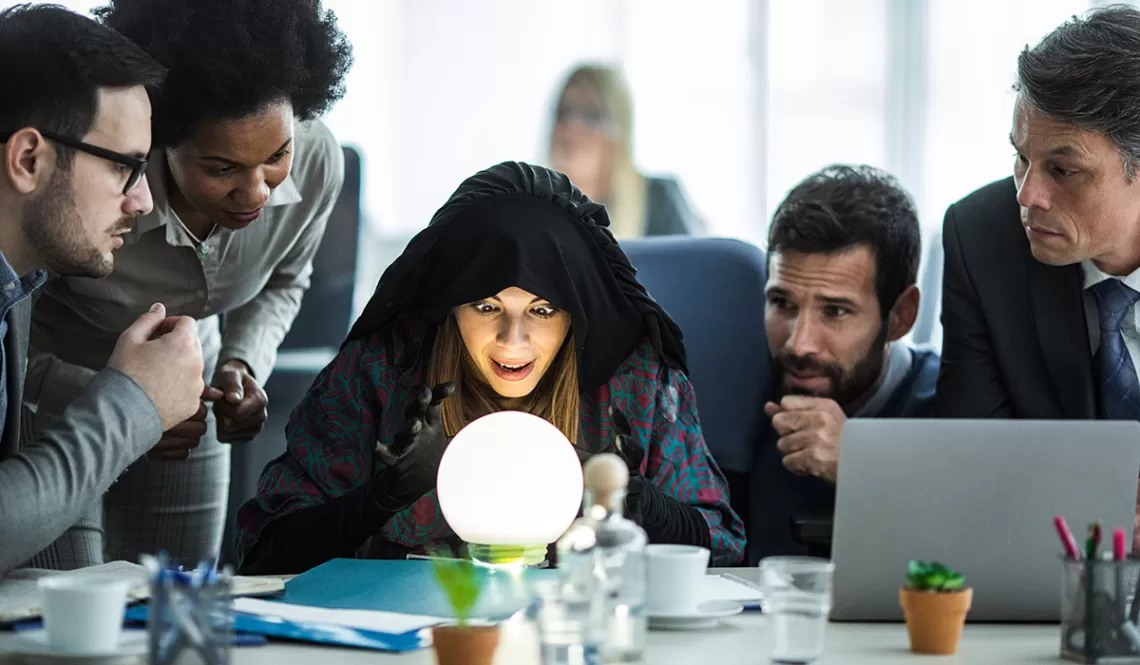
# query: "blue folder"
[247,625]
[409,587]
[404,586]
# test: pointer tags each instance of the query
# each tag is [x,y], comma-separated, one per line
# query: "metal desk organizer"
[1099,611]
[190,618]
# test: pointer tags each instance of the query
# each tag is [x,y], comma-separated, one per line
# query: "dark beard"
[846,386]
[55,231]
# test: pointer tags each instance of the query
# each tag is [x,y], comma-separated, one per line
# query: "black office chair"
[320,327]
[326,311]
[714,289]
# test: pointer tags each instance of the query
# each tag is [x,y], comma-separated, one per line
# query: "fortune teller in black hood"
[516,296]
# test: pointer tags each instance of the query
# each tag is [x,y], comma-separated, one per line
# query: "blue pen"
[249,640]
[198,575]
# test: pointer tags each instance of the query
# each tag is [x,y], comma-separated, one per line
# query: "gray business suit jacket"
[50,478]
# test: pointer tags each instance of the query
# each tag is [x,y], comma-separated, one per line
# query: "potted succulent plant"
[462,643]
[934,601]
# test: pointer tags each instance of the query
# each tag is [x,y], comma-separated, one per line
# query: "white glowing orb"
[510,478]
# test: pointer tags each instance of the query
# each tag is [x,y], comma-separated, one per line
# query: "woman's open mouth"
[511,371]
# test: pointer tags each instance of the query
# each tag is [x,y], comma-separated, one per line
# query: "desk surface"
[738,640]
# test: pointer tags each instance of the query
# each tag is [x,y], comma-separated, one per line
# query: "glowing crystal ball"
[510,480]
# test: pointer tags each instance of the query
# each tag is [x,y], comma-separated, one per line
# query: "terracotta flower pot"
[464,645]
[934,620]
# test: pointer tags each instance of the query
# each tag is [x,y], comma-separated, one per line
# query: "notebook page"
[391,623]
[720,587]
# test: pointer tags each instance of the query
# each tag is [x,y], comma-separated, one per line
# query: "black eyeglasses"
[137,165]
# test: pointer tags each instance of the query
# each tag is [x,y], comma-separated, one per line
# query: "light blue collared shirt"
[13,289]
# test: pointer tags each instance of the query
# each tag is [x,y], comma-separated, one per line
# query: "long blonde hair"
[626,200]
[554,399]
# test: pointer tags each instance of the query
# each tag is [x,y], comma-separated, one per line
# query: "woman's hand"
[411,462]
[623,444]
[626,446]
[634,455]
[665,519]
[177,442]
[243,408]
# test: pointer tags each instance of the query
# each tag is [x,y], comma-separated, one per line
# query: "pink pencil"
[1066,538]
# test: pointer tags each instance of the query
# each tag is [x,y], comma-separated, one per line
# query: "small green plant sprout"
[462,581]
[933,576]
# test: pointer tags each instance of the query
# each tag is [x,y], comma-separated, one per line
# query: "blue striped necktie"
[1119,388]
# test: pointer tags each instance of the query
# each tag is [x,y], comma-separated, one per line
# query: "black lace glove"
[340,527]
[411,463]
[665,519]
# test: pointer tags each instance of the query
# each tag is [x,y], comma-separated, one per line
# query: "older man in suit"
[1042,270]
[75,131]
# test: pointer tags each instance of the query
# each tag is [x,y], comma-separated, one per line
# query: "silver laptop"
[980,497]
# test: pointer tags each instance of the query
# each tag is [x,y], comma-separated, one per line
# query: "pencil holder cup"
[1099,611]
[190,618]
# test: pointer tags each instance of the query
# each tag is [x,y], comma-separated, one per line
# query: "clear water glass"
[797,602]
[568,622]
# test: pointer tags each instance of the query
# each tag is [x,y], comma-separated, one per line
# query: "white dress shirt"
[1130,326]
[896,365]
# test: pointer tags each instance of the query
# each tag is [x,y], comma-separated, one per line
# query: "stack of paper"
[368,629]
[20,595]
[729,587]
[391,623]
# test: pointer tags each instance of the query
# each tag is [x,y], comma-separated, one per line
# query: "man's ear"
[903,314]
[28,160]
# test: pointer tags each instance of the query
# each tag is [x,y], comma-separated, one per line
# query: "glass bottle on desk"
[604,546]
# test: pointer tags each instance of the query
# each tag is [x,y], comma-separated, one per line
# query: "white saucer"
[706,615]
[34,643]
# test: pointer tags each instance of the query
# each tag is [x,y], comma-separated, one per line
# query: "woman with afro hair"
[244,176]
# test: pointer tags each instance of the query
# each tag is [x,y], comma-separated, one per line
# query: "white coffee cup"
[83,615]
[675,578]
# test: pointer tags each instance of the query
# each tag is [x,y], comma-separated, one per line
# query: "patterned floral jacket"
[360,398]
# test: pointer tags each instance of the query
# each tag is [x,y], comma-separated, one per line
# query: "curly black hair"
[842,206]
[228,59]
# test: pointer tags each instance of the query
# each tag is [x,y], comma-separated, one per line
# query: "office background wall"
[738,98]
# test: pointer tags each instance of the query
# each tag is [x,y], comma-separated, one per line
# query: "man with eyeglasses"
[75,131]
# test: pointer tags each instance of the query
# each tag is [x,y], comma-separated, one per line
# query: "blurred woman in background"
[592,143]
